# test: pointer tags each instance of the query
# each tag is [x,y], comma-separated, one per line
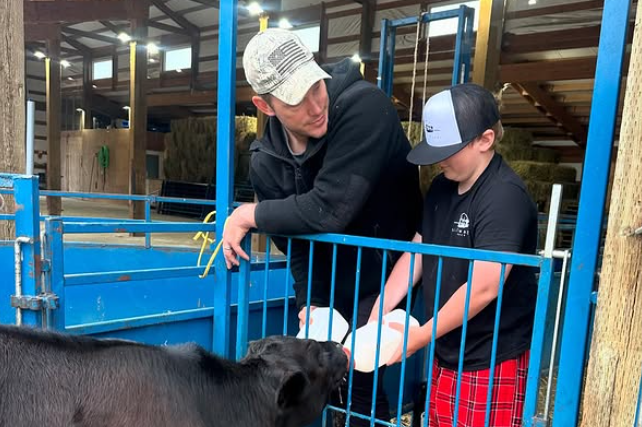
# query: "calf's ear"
[292,389]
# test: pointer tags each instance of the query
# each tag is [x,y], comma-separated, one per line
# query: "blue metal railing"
[360,243]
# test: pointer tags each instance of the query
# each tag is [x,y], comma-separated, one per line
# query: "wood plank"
[94,36]
[138,120]
[179,19]
[53,102]
[488,43]
[79,11]
[545,103]
[560,8]
[36,32]
[561,69]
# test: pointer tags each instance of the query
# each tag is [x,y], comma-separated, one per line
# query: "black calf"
[54,380]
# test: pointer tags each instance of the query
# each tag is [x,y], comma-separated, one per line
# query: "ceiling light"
[532,2]
[126,107]
[65,63]
[356,58]
[152,48]
[70,79]
[152,60]
[124,37]
[285,24]
[178,70]
[80,110]
[254,8]
[38,54]
[94,86]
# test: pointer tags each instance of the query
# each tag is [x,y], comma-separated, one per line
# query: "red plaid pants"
[507,401]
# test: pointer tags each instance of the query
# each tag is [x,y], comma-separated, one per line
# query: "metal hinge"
[35,303]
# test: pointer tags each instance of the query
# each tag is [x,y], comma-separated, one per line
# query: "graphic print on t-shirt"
[460,227]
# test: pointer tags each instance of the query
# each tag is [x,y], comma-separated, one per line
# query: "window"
[310,37]
[178,59]
[102,69]
[449,26]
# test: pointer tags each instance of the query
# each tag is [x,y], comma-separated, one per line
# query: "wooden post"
[53,73]
[615,363]
[488,44]
[87,90]
[12,93]
[138,116]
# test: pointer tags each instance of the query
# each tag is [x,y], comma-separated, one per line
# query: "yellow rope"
[206,239]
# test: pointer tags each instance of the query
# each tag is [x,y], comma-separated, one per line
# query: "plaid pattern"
[507,402]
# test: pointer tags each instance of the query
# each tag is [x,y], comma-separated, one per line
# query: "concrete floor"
[118,209]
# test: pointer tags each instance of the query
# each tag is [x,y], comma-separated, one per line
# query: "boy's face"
[465,164]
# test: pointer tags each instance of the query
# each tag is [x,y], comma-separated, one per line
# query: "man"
[332,160]
[477,202]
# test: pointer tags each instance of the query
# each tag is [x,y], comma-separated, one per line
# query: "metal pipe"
[17,251]
[558,314]
[31,123]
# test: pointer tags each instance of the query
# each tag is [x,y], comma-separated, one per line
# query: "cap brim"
[293,90]
[424,154]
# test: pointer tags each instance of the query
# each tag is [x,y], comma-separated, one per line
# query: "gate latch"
[35,303]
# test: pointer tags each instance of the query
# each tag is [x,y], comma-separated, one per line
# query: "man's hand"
[418,338]
[302,316]
[236,227]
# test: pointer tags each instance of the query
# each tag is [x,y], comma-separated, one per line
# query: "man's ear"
[292,389]
[262,105]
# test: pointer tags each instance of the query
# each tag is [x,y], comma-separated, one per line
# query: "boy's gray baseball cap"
[277,62]
[451,119]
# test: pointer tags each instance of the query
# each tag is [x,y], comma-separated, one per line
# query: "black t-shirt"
[495,214]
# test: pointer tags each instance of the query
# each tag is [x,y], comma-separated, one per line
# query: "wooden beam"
[561,69]
[488,43]
[12,107]
[195,62]
[168,28]
[111,27]
[87,90]
[181,98]
[82,49]
[99,37]
[36,32]
[553,10]
[52,75]
[554,111]
[179,19]
[138,114]
[79,11]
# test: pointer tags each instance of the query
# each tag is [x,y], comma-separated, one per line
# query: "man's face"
[309,118]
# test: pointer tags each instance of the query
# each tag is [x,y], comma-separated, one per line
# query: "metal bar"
[602,121]
[332,285]
[551,229]
[136,227]
[141,321]
[379,325]
[130,197]
[224,164]
[31,124]
[27,201]
[307,303]
[456,79]
[286,303]
[431,355]
[468,42]
[558,314]
[636,421]
[355,312]
[17,255]
[266,280]
[383,56]
[54,279]
[537,343]
[392,40]
[462,347]
[493,354]
[360,416]
[436,16]
[148,219]
[427,249]
[402,377]
[81,279]
[243,306]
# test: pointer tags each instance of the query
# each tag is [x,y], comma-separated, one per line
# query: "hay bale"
[563,174]
[415,132]
[546,155]
[190,148]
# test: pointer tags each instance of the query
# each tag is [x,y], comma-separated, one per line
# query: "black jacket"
[355,180]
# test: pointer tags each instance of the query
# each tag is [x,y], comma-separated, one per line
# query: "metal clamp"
[35,303]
